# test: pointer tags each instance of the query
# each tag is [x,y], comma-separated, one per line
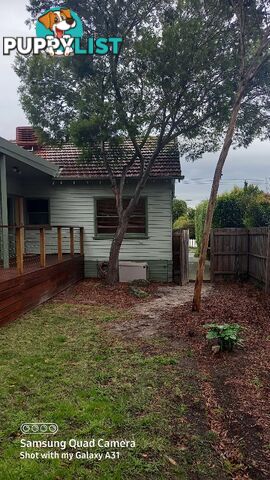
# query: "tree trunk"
[124,217]
[113,268]
[212,200]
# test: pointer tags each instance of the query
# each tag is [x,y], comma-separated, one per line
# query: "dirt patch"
[236,386]
[149,318]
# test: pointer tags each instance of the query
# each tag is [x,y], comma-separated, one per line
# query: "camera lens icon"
[53,428]
[39,428]
[25,428]
[43,428]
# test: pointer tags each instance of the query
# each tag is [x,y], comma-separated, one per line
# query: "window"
[107,218]
[37,211]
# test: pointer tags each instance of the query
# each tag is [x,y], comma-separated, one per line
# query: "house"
[58,216]
[53,186]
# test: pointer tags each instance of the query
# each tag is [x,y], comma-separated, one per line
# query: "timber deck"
[20,293]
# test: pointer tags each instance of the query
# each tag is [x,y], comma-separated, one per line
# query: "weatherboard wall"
[75,205]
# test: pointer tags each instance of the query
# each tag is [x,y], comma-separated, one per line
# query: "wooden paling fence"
[241,253]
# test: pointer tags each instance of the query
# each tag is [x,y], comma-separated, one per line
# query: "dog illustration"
[59,22]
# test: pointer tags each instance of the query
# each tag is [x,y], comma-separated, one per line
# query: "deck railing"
[24,245]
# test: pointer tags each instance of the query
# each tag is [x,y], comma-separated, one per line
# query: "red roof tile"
[69,160]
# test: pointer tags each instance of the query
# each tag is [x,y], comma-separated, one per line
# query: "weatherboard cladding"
[70,202]
[159,270]
[71,165]
[75,204]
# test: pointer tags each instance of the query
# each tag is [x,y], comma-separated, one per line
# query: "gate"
[180,257]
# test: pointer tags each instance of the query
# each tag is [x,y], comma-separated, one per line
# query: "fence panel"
[258,240]
[240,252]
[192,243]
[229,253]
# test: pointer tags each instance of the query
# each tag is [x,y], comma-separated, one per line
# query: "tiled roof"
[69,160]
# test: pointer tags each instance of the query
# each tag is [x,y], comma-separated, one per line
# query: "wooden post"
[71,232]
[248,252]
[42,247]
[4,211]
[19,249]
[267,273]
[60,248]
[212,256]
[19,216]
[82,241]
[184,257]
[19,213]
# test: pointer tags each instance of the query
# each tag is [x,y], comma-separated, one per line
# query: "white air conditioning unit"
[130,271]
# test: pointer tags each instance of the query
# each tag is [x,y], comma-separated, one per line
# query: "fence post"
[212,256]
[267,273]
[19,213]
[19,249]
[42,247]
[184,258]
[59,241]
[81,241]
[72,241]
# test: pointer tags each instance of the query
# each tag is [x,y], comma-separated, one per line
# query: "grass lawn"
[60,364]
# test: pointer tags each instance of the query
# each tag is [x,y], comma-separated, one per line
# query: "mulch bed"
[96,292]
[235,385]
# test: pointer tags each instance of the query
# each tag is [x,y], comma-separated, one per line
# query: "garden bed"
[96,292]
[236,387]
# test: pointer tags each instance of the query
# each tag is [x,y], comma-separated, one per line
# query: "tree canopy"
[175,76]
[179,208]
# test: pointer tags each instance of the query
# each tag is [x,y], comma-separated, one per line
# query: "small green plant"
[227,335]
[257,382]
[138,292]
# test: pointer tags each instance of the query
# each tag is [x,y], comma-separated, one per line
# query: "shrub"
[229,211]
[258,212]
[186,223]
[242,207]
[227,335]
[200,215]
[179,209]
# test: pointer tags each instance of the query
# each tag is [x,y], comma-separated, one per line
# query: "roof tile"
[69,160]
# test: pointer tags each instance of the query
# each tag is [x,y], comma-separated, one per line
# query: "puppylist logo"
[59,33]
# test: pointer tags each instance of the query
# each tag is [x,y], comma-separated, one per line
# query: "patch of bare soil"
[236,385]
[149,318]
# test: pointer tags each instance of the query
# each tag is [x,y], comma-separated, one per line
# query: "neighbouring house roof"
[68,159]
[12,150]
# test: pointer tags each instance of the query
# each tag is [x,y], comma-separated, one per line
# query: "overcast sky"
[252,164]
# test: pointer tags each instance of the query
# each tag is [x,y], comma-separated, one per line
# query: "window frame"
[104,236]
[27,222]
